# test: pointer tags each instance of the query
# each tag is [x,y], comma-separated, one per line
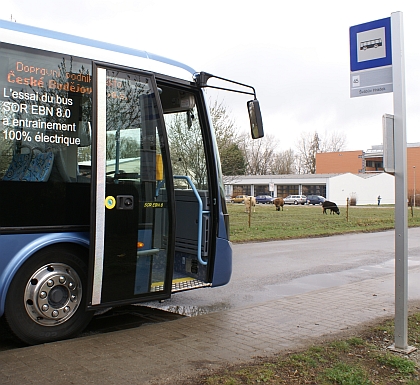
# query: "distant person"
[379,200]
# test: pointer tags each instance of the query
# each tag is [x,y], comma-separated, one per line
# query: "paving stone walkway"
[153,354]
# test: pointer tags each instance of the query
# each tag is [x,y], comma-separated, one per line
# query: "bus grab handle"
[200,216]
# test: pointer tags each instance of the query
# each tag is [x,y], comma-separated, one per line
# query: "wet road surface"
[271,270]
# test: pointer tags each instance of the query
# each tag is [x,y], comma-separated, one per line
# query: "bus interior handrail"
[200,215]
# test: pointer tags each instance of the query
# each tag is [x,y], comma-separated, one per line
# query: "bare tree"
[333,142]
[309,144]
[259,154]
[187,150]
[307,147]
[224,126]
[232,156]
[284,162]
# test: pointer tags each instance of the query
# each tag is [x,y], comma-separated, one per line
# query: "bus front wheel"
[46,300]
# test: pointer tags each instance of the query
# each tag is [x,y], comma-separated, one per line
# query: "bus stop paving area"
[170,352]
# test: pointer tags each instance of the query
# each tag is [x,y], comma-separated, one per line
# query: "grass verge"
[359,360]
[309,221]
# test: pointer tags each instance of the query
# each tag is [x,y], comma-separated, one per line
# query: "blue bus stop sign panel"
[370,45]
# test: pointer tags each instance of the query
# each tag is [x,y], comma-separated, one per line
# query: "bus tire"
[46,300]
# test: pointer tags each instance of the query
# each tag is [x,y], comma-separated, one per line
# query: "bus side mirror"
[255,119]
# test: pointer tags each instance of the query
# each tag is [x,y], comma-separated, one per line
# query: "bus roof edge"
[17,27]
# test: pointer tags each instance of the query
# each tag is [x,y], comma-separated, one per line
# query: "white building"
[365,188]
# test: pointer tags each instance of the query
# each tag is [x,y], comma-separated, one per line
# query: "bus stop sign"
[371,58]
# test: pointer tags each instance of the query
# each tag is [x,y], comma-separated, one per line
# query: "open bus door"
[131,235]
[154,208]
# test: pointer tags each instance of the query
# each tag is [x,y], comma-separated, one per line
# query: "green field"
[308,221]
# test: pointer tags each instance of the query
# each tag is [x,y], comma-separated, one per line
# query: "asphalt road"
[271,270]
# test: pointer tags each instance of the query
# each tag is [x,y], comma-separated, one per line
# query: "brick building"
[370,161]
[339,162]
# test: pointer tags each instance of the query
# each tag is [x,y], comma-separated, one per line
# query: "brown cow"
[278,202]
[250,202]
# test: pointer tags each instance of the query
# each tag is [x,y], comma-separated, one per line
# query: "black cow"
[327,205]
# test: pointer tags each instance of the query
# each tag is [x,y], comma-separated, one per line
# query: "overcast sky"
[295,53]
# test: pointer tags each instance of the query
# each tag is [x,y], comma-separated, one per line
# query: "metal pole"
[414,188]
[401,214]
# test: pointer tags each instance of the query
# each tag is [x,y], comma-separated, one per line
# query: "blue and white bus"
[110,181]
